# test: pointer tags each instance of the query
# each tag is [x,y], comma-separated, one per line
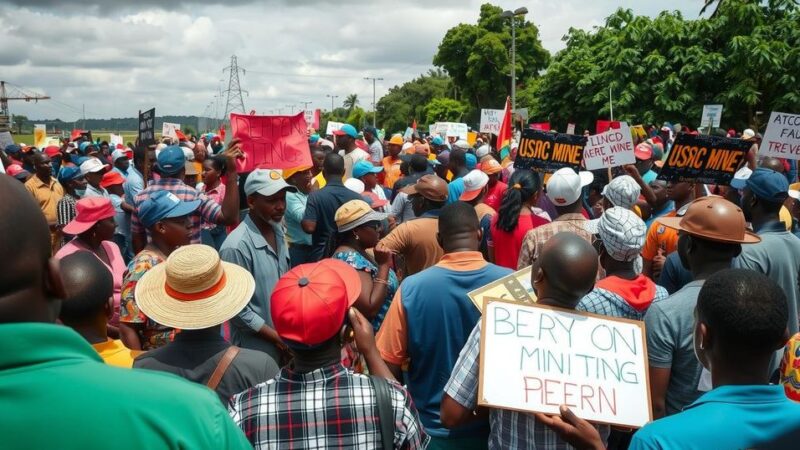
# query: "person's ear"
[109,308]
[480,234]
[54,286]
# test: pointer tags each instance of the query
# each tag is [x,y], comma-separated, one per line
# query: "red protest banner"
[274,142]
[604,125]
[540,126]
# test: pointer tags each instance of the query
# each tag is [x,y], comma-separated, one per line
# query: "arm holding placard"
[647,191]
[230,204]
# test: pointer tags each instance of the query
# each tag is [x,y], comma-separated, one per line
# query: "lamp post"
[374,105]
[512,15]
[333,97]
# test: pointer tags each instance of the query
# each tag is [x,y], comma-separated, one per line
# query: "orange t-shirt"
[661,237]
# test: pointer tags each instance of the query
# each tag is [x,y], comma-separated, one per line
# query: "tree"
[19,120]
[746,57]
[444,110]
[405,103]
[479,60]
[350,102]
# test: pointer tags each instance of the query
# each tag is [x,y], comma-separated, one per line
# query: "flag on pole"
[414,126]
[504,134]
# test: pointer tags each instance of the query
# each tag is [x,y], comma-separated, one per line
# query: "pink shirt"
[217,194]
[117,267]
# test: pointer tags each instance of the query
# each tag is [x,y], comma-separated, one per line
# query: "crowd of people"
[157,298]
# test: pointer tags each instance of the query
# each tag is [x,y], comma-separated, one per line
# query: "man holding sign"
[554,287]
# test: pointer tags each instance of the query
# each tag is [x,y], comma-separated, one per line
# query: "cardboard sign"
[168,130]
[491,120]
[782,138]
[332,126]
[570,128]
[638,132]
[274,142]
[712,114]
[472,138]
[704,159]
[520,114]
[5,139]
[147,132]
[515,287]
[408,134]
[115,139]
[312,118]
[40,136]
[548,152]
[452,129]
[610,149]
[535,358]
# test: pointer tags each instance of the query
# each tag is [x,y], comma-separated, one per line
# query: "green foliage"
[19,120]
[479,60]
[442,109]
[746,57]
[350,102]
[402,104]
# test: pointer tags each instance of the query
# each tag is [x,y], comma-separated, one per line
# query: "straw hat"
[193,289]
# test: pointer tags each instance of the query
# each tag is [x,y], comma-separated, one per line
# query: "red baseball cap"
[111,178]
[89,211]
[643,151]
[52,151]
[310,302]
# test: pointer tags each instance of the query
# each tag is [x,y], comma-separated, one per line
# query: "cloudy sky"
[115,57]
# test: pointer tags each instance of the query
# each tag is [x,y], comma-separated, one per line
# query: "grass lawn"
[127,136]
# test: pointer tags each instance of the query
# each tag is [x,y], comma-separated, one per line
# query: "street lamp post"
[374,104]
[333,97]
[512,15]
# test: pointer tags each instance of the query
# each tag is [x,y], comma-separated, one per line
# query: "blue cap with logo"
[472,161]
[768,185]
[68,173]
[164,205]
[347,130]
[171,160]
[362,168]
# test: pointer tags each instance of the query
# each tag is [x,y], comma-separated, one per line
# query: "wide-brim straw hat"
[194,289]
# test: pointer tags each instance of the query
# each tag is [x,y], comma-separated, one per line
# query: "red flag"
[181,136]
[75,134]
[541,126]
[604,125]
[222,132]
[414,125]
[504,134]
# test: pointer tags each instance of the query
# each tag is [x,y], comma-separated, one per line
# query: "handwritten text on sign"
[535,358]
[147,135]
[491,120]
[782,138]
[610,149]
[547,152]
[274,142]
[705,159]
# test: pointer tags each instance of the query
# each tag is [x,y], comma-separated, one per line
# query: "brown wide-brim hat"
[715,219]
[429,186]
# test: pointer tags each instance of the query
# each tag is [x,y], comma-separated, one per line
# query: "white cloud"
[119,57]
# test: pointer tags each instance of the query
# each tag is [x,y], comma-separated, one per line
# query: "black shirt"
[321,208]
[195,354]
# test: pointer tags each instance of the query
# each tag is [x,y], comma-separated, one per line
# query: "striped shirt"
[65,213]
[209,210]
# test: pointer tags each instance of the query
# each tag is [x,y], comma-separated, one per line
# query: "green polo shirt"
[56,392]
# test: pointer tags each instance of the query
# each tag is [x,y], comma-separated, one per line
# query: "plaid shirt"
[535,239]
[330,407]
[209,210]
[510,429]
[65,213]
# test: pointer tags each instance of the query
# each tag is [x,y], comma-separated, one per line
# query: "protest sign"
[454,129]
[147,132]
[490,120]
[547,152]
[535,358]
[332,126]
[5,139]
[541,126]
[638,132]
[408,134]
[704,159]
[514,287]
[312,118]
[521,114]
[472,138]
[275,142]
[712,114]
[115,139]
[168,130]
[610,149]
[39,136]
[570,128]
[782,138]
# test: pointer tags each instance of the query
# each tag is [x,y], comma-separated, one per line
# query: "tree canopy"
[398,108]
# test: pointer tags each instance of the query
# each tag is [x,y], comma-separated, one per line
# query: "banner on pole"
[704,159]
[274,142]
[168,130]
[40,136]
[610,149]
[712,114]
[490,120]
[547,152]
[147,133]
[782,138]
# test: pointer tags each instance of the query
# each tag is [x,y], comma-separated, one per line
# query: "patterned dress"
[361,264]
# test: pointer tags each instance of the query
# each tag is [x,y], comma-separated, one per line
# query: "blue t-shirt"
[454,190]
[669,206]
[729,417]
[649,176]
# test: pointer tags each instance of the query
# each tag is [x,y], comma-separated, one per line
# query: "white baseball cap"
[93,165]
[355,185]
[117,154]
[482,151]
[564,187]
[474,182]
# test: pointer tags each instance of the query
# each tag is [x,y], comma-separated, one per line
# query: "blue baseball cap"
[348,130]
[362,168]
[437,141]
[314,138]
[164,205]
[12,149]
[472,161]
[171,160]
[83,145]
[68,173]
[768,185]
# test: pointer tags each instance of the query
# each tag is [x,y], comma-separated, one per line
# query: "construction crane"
[15,93]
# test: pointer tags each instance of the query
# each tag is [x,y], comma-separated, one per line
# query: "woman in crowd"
[212,234]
